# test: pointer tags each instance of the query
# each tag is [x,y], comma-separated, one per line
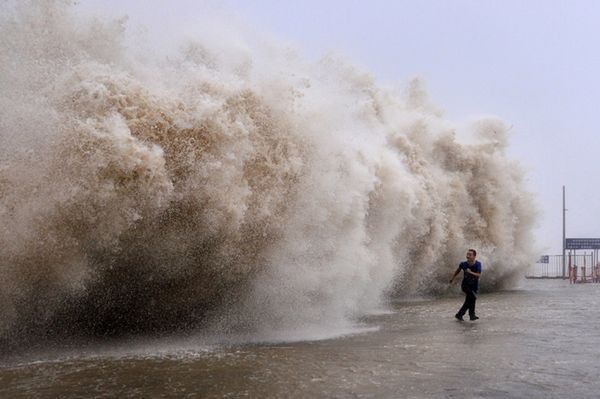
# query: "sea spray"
[252,191]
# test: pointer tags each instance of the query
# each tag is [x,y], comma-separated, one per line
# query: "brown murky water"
[540,341]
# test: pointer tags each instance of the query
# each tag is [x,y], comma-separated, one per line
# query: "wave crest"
[266,193]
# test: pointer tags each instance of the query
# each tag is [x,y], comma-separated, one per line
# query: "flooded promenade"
[539,341]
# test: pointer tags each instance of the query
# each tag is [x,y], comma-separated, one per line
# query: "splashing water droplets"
[246,190]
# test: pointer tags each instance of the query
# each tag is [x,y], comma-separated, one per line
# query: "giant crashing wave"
[236,186]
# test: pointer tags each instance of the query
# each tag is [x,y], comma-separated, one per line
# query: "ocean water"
[223,182]
[537,341]
[218,216]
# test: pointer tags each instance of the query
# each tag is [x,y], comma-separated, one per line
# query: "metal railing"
[579,267]
[549,266]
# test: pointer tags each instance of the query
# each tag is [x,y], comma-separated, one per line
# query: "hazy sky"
[535,64]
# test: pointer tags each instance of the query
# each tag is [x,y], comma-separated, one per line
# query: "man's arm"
[473,273]
[455,274]
[476,270]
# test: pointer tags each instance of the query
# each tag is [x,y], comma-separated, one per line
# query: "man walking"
[470,284]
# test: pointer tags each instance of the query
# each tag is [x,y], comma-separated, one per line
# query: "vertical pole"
[564,240]
[584,269]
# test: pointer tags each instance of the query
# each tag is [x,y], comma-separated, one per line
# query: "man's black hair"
[474,252]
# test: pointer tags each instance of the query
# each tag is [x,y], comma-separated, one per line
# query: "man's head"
[471,254]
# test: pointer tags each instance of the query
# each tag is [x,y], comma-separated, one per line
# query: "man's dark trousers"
[469,304]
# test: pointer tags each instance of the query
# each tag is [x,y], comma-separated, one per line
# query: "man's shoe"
[474,318]
[459,317]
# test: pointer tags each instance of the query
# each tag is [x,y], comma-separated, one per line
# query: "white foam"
[231,182]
